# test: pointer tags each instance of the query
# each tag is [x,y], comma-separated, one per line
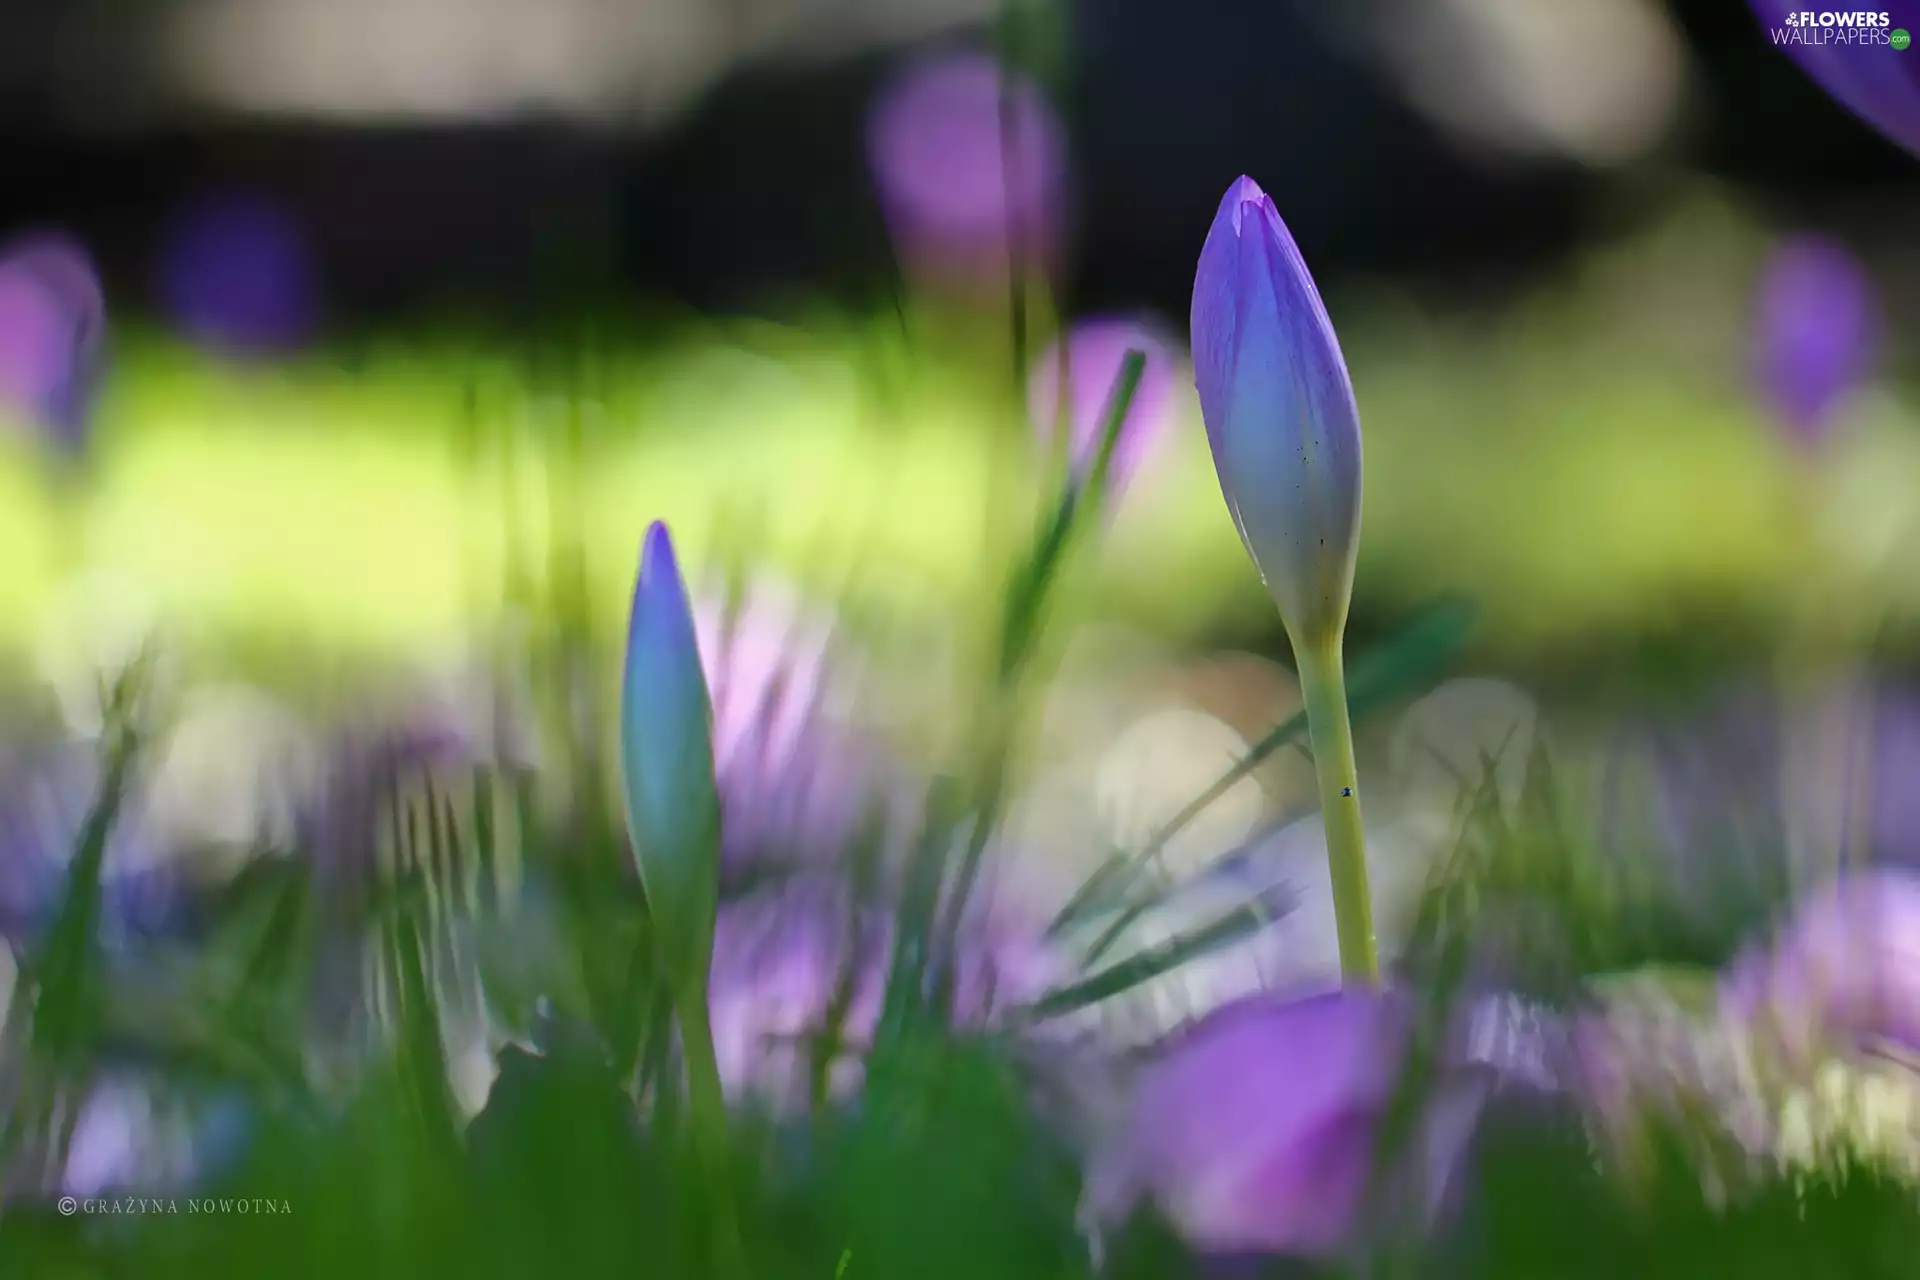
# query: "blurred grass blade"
[1410,659]
[1026,602]
[1145,966]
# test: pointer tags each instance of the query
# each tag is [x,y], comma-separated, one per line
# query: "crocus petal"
[1845,973]
[673,811]
[1253,1131]
[1866,75]
[1816,332]
[1279,411]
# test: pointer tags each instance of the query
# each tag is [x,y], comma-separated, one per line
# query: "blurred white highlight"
[439,59]
[1597,81]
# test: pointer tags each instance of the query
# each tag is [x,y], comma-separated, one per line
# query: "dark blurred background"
[499,154]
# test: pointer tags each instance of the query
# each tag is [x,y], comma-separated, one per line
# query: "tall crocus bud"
[52,322]
[1285,435]
[673,818]
[1816,320]
[1279,411]
[666,761]
[1872,76]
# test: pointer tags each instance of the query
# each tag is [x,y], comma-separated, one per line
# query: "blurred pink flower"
[1095,350]
[940,159]
[798,780]
[1816,329]
[1844,973]
[783,958]
[1256,1131]
[52,328]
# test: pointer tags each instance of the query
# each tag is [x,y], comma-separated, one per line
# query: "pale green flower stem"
[708,1119]
[1323,687]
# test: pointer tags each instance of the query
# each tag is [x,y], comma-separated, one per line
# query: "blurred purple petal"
[1816,332]
[1856,66]
[797,780]
[783,957]
[52,329]
[236,274]
[1895,801]
[1844,974]
[1095,350]
[1256,1131]
[952,202]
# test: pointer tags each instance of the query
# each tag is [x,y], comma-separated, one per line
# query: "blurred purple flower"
[1879,84]
[940,159]
[1895,800]
[1657,1054]
[52,329]
[1816,328]
[1256,1131]
[1690,804]
[797,781]
[237,275]
[1095,350]
[1843,975]
[785,959]
[130,1139]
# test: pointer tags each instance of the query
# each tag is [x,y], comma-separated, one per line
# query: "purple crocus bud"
[1256,1131]
[1859,65]
[1095,350]
[958,185]
[1280,413]
[52,328]
[666,762]
[1816,323]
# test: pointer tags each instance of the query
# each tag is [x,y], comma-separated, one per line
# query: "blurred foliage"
[1588,463]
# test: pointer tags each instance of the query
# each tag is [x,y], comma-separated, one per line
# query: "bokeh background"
[412,316]
[339,239]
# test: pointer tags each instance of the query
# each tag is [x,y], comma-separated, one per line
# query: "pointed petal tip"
[1244,191]
[656,551]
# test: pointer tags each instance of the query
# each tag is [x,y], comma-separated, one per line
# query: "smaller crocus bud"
[1280,413]
[666,762]
[1094,353]
[1816,321]
[52,326]
[1876,80]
